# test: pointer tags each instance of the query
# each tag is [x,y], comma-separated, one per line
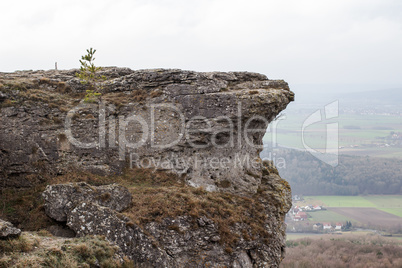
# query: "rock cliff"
[207,126]
[205,129]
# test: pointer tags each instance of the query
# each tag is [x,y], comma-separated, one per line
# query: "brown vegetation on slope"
[343,251]
[156,195]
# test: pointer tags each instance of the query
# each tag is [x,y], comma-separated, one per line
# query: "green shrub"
[89,75]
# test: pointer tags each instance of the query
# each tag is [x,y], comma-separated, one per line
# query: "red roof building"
[301,216]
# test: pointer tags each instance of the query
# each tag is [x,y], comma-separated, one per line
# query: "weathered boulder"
[8,230]
[60,199]
[92,219]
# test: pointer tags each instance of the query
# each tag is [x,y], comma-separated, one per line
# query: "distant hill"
[354,175]
[385,96]
[315,97]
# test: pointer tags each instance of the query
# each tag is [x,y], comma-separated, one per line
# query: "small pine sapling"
[89,75]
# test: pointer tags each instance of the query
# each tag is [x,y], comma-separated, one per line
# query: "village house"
[317,226]
[294,215]
[300,216]
[327,226]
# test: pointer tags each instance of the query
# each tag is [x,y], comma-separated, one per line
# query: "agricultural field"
[358,134]
[340,201]
[394,211]
[371,210]
[388,203]
[369,216]
[385,201]
[328,216]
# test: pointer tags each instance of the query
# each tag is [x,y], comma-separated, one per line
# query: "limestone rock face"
[8,230]
[206,126]
[60,199]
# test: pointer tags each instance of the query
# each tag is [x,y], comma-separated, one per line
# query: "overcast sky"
[342,42]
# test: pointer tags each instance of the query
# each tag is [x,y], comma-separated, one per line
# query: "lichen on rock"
[60,199]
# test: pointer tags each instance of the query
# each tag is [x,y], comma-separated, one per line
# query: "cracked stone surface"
[205,126]
[62,198]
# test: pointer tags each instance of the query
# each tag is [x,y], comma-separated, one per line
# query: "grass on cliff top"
[40,251]
[31,91]
[156,195]
[58,94]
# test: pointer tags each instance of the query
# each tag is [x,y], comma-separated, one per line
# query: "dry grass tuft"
[156,93]
[62,137]
[175,228]
[118,99]
[23,243]
[59,86]
[90,251]
[7,103]
[123,98]
[104,197]
[139,95]
[224,184]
